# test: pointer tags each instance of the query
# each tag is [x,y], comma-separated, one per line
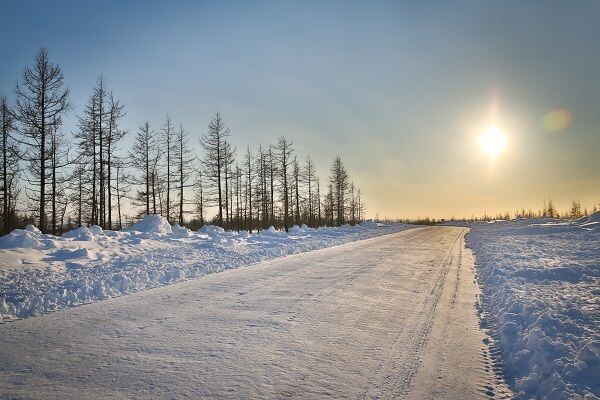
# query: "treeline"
[547,211]
[58,181]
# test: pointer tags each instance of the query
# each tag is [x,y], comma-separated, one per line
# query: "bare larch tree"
[42,100]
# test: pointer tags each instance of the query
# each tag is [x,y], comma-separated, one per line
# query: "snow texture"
[41,273]
[541,300]
[389,318]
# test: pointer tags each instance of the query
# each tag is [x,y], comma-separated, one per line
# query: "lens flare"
[556,120]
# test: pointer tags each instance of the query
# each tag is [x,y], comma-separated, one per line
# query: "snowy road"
[389,317]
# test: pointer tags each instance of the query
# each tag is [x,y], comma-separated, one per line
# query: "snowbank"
[540,281]
[152,224]
[593,221]
[46,273]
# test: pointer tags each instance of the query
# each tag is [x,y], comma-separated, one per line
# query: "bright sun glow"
[492,141]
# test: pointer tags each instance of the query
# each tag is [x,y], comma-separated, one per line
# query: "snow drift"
[152,224]
[540,281]
[41,273]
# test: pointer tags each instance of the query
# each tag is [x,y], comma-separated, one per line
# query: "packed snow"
[41,272]
[540,283]
[389,318]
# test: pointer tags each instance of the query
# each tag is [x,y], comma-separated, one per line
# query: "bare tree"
[238,194]
[121,187]
[96,139]
[360,206]
[184,169]
[200,199]
[272,173]
[296,187]
[113,136]
[309,179]
[41,102]
[551,211]
[330,205]
[318,201]
[248,190]
[10,166]
[142,159]
[155,182]
[575,211]
[102,114]
[214,162]
[87,139]
[77,186]
[340,183]
[263,187]
[59,161]
[284,149]
[228,160]
[168,148]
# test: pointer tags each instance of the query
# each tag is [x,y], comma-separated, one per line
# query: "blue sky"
[400,90]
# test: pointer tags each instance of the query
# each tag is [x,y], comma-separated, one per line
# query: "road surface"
[390,317]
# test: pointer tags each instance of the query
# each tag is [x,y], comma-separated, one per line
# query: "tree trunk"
[181,180]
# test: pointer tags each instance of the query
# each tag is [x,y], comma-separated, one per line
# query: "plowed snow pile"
[41,272]
[541,299]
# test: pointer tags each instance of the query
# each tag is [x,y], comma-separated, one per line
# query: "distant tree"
[155,182]
[330,204]
[318,203]
[296,188]
[114,135]
[143,160]
[309,174]
[260,189]
[272,173]
[575,209]
[77,188]
[97,139]
[228,160]
[121,187]
[102,116]
[238,194]
[168,148]
[41,102]
[87,139]
[340,184]
[59,161]
[551,211]
[361,206]
[214,143]
[184,168]
[200,200]
[10,166]
[249,181]
[284,150]
[353,206]
[264,198]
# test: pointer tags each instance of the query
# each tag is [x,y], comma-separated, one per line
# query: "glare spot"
[556,120]
[492,141]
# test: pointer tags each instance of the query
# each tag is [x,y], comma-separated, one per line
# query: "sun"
[492,141]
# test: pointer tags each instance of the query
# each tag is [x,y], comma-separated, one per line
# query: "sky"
[400,90]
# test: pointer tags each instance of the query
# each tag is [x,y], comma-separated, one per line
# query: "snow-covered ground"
[393,317]
[41,273]
[541,300]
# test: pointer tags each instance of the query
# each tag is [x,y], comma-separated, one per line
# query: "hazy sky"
[400,91]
